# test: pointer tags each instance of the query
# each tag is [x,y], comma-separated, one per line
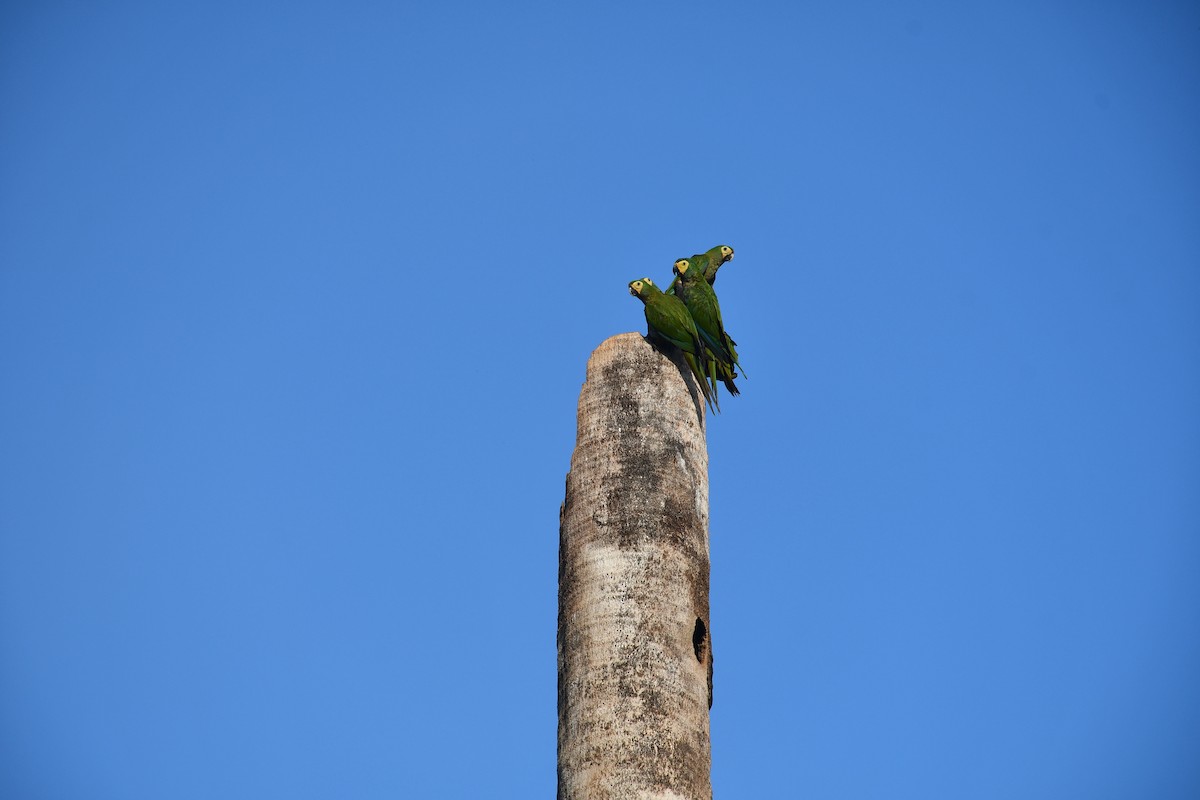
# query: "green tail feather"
[698,374]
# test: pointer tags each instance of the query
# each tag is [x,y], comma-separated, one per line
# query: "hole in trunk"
[700,640]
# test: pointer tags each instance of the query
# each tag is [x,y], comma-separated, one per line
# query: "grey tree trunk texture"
[634,651]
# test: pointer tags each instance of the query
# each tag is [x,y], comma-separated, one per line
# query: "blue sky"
[294,311]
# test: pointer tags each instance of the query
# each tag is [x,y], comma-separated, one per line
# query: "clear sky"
[294,311]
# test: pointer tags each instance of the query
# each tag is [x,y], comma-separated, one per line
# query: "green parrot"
[701,302]
[707,262]
[670,320]
[716,257]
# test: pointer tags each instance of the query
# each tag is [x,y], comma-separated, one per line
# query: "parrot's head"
[720,254]
[641,288]
[681,268]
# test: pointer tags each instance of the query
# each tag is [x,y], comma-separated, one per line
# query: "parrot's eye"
[647,280]
[727,251]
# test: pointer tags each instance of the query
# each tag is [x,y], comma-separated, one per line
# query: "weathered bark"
[634,656]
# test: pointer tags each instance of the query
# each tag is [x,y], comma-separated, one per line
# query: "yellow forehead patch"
[682,265]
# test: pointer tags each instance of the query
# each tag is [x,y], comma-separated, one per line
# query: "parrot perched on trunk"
[702,304]
[716,257]
[707,262]
[670,320]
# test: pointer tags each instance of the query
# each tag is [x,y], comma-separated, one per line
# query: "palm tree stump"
[634,655]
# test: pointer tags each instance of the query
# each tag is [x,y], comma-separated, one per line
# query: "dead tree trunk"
[634,656]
